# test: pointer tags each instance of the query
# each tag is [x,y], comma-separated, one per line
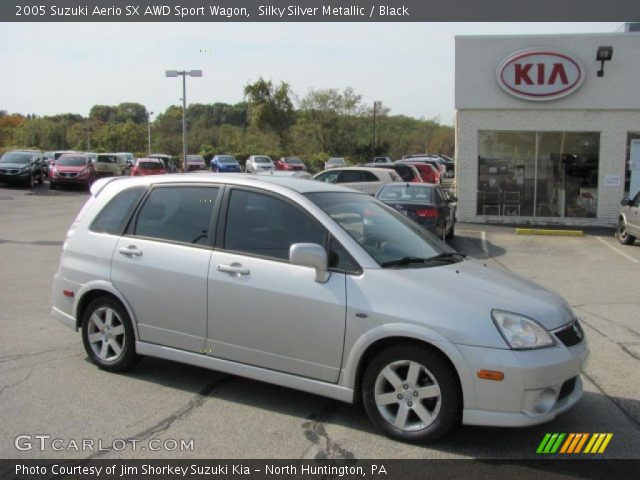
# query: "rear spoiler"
[99,184]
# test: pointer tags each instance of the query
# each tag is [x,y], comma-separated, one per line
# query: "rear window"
[407,193]
[261,159]
[107,158]
[151,165]
[113,217]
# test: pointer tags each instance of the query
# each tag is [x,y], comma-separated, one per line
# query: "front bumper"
[538,385]
[14,177]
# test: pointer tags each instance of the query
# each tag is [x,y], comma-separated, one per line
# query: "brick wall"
[613,126]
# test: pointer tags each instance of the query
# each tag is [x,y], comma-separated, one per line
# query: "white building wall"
[613,126]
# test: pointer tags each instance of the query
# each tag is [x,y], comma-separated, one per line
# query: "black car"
[22,167]
[427,204]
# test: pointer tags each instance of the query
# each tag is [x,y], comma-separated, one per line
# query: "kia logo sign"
[540,74]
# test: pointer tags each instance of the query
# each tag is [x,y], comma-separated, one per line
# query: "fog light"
[545,401]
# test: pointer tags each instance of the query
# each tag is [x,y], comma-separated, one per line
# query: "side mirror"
[453,198]
[626,201]
[311,255]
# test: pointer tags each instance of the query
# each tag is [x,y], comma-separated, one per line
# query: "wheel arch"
[369,345]
[97,289]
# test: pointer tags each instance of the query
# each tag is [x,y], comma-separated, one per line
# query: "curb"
[557,233]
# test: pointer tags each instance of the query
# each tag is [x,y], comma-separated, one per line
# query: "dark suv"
[21,167]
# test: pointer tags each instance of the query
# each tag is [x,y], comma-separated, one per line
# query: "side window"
[328,177]
[178,214]
[351,176]
[637,200]
[340,259]
[262,225]
[369,177]
[115,214]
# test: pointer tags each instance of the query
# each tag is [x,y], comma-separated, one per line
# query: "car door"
[262,310]
[161,264]
[634,216]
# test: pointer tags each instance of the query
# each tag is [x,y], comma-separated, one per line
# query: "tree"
[104,113]
[130,111]
[271,108]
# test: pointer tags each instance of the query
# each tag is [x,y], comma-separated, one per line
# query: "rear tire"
[623,236]
[412,393]
[107,334]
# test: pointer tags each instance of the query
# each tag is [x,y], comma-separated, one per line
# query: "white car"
[318,288]
[259,163]
[364,179]
[335,162]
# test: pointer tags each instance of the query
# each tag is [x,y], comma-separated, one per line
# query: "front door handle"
[131,251]
[235,269]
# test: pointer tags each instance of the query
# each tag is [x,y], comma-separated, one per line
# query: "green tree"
[271,108]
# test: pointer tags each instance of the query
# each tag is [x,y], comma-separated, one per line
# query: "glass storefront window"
[627,168]
[538,174]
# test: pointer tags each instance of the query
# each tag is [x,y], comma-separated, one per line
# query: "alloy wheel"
[407,395]
[622,232]
[106,334]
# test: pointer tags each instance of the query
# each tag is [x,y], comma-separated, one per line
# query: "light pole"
[376,104]
[184,74]
[149,129]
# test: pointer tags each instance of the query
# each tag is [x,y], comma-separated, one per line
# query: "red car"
[148,166]
[72,169]
[290,164]
[428,172]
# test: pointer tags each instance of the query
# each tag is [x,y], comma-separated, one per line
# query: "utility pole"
[149,130]
[373,138]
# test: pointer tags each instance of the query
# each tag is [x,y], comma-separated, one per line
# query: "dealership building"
[547,127]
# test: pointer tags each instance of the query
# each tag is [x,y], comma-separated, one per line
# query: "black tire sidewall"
[451,399]
[129,356]
[628,239]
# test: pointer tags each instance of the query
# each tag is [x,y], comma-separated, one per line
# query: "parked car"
[128,158]
[72,169]
[436,162]
[290,163]
[629,220]
[426,204]
[364,179]
[381,160]
[408,173]
[195,163]
[49,158]
[428,172]
[21,167]
[110,164]
[225,163]
[318,288]
[288,173]
[258,163]
[169,163]
[335,162]
[148,166]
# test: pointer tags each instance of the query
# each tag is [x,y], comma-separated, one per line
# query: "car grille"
[68,175]
[6,171]
[567,388]
[570,335]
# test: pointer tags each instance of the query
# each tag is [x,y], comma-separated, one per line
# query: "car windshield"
[195,158]
[261,159]
[294,160]
[72,161]
[408,193]
[107,158]
[150,165]
[22,158]
[389,237]
[227,159]
[335,160]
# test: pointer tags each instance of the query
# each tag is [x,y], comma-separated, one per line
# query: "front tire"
[623,236]
[412,394]
[452,232]
[108,337]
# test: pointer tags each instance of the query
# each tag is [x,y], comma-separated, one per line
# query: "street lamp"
[149,129]
[184,74]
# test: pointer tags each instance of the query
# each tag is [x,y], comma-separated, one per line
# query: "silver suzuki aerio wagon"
[318,288]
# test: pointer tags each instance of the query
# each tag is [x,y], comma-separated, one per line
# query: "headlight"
[520,332]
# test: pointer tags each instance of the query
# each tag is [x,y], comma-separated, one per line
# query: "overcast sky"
[50,68]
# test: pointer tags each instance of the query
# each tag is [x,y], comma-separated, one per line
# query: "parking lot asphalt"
[48,386]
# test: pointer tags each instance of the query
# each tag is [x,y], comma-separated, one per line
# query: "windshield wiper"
[444,256]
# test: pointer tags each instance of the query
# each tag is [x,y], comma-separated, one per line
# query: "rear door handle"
[235,269]
[131,251]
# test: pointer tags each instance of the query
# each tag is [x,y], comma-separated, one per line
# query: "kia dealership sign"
[540,74]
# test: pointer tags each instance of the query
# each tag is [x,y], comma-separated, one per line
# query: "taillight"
[427,212]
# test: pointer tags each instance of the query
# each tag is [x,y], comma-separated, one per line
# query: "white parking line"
[617,250]
[485,248]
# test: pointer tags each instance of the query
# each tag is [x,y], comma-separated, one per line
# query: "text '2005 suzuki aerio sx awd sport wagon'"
[319,288]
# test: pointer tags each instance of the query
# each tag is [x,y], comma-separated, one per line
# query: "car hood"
[457,299]
[13,165]
[71,169]
[497,289]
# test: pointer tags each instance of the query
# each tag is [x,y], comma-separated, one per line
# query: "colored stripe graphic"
[573,443]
